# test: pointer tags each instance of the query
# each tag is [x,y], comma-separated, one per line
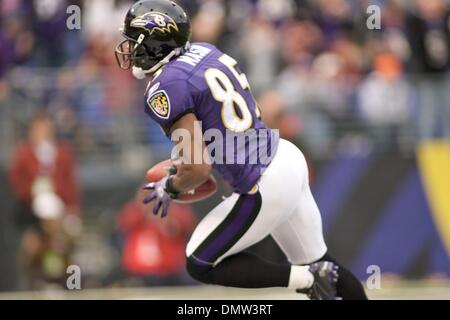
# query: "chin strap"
[140,73]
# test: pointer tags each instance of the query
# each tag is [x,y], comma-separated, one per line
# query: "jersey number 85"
[223,91]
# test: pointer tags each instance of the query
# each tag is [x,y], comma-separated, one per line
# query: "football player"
[192,82]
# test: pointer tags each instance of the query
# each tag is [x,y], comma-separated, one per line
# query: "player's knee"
[197,271]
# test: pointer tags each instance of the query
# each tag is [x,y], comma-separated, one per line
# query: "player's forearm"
[189,177]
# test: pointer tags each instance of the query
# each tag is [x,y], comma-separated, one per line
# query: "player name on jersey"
[195,54]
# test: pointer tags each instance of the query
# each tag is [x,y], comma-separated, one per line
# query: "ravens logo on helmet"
[155,31]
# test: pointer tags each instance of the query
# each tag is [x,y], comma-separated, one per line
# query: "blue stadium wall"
[388,210]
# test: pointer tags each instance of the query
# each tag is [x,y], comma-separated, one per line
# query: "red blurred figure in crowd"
[43,180]
[40,157]
[153,248]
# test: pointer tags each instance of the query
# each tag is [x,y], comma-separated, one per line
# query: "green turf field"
[393,290]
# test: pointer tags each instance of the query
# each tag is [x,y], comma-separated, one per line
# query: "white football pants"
[283,208]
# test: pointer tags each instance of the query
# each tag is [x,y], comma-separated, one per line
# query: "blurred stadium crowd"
[320,73]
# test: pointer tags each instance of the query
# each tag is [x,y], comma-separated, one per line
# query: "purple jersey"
[208,83]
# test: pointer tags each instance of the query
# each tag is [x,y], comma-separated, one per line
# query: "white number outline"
[220,84]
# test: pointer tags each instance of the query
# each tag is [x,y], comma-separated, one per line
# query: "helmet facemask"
[132,52]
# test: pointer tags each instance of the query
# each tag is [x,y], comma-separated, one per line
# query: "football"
[205,190]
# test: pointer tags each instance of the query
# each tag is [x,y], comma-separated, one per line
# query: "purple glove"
[159,193]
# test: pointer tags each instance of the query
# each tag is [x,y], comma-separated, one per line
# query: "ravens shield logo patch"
[160,104]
